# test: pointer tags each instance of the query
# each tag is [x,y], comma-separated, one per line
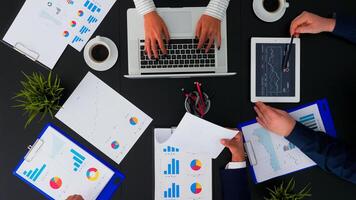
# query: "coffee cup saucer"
[109,62]
[266,16]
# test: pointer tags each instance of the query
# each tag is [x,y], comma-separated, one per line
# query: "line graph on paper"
[271,79]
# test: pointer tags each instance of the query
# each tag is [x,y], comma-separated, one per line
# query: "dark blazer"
[328,153]
[346,27]
[235,184]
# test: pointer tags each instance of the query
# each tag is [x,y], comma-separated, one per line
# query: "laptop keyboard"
[181,53]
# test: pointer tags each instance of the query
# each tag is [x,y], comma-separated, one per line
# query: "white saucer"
[266,16]
[109,62]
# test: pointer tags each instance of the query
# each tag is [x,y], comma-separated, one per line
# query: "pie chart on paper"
[196,165]
[196,188]
[55,183]
[133,121]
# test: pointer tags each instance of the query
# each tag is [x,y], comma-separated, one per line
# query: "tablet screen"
[272,80]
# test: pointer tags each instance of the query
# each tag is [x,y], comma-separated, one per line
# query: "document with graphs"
[180,174]
[271,155]
[103,117]
[57,167]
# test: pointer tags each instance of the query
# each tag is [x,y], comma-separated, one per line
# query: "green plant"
[287,193]
[39,94]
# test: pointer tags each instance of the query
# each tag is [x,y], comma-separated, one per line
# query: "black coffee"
[271,5]
[100,53]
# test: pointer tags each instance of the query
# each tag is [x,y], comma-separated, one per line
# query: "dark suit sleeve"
[235,184]
[327,152]
[345,27]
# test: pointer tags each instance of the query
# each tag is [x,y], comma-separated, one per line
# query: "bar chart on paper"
[78,159]
[172,192]
[309,121]
[34,174]
[170,149]
[172,168]
[92,6]
[91,19]
[84,30]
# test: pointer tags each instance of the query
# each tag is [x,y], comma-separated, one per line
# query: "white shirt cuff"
[217,8]
[236,165]
[144,6]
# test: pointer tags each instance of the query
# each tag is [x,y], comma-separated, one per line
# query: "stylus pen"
[286,56]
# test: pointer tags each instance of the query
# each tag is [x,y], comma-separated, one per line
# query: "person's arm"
[217,8]
[328,153]
[144,6]
[234,176]
[345,27]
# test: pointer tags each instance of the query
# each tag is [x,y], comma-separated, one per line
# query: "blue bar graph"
[309,121]
[172,168]
[92,7]
[92,19]
[172,192]
[170,149]
[34,174]
[78,158]
[77,39]
[84,30]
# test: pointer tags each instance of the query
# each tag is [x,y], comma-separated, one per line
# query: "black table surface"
[328,69]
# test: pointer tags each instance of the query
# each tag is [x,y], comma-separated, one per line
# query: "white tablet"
[270,82]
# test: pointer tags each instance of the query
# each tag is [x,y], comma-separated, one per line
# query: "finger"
[260,115]
[148,48]
[198,29]
[211,41]
[154,48]
[261,122]
[219,39]
[202,39]
[299,21]
[304,29]
[265,110]
[225,142]
[161,45]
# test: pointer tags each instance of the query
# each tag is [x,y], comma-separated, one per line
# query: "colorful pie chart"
[65,33]
[73,23]
[115,145]
[133,121]
[196,165]
[92,174]
[80,13]
[196,188]
[55,183]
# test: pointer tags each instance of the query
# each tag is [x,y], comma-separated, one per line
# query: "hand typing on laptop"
[208,28]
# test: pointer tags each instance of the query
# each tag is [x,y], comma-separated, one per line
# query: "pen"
[286,56]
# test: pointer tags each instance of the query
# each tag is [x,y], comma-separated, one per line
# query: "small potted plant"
[287,192]
[40,95]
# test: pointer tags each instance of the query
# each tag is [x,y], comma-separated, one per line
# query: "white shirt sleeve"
[217,8]
[144,6]
[236,165]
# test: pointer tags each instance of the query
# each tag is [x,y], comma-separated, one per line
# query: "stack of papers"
[43,29]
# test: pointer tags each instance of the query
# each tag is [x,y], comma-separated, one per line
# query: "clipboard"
[101,180]
[327,122]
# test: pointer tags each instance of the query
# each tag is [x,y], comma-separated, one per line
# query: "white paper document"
[272,155]
[180,175]
[103,117]
[197,135]
[60,168]
[37,31]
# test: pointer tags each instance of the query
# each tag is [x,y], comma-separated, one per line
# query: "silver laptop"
[183,59]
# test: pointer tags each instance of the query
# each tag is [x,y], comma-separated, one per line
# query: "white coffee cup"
[105,63]
[266,15]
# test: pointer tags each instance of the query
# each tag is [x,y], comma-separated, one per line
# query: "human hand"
[75,197]
[310,23]
[274,120]
[208,29]
[155,30]
[236,147]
